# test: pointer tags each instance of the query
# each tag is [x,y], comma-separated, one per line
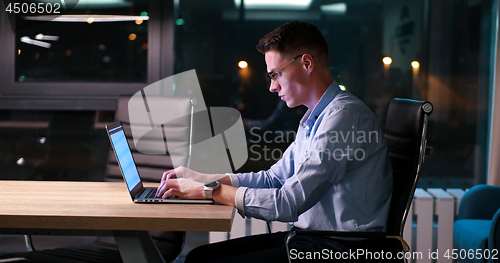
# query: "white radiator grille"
[434,211]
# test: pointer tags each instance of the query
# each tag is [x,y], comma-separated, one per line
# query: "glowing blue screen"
[124,156]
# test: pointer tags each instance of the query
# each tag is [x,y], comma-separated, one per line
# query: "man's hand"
[182,187]
[188,184]
[182,172]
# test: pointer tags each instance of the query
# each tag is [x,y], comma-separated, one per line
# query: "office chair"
[477,227]
[405,135]
[151,168]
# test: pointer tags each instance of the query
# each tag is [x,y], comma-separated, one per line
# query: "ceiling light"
[334,9]
[85,18]
[30,41]
[92,4]
[275,4]
[242,64]
[45,37]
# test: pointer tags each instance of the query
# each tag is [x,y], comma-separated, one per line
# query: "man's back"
[356,163]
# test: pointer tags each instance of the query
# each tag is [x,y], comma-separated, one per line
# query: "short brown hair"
[293,37]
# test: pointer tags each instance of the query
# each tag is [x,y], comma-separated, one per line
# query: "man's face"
[289,83]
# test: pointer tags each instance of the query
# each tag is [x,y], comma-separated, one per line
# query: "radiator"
[428,229]
[429,226]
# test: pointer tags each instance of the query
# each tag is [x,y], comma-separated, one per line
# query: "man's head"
[296,55]
[294,38]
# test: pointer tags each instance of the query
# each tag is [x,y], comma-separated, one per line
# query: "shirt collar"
[311,115]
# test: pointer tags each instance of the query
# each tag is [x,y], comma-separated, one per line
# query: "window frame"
[85,95]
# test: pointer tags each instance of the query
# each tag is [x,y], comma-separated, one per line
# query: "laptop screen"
[124,156]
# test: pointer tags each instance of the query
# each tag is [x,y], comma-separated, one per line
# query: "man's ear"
[308,61]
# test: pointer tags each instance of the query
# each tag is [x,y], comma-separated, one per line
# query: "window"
[439,50]
[86,63]
[92,42]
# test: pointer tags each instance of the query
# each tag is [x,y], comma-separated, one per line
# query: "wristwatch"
[209,188]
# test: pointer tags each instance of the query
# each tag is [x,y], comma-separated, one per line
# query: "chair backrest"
[406,128]
[178,132]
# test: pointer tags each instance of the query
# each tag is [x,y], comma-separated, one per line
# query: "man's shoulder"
[348,103]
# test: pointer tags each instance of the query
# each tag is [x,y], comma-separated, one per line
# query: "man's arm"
[225,194]
[225,180]
[188,188]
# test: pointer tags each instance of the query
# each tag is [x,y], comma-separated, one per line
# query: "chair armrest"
[494,239]
[480,202]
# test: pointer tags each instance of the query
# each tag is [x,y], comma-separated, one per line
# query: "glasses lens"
[270,76]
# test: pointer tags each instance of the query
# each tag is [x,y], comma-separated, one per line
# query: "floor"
[16,243]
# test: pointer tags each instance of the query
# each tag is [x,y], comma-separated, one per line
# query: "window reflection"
[93,43]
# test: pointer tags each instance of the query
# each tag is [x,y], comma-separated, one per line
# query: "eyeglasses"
[272,75]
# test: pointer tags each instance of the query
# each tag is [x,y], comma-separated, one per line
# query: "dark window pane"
[85,51]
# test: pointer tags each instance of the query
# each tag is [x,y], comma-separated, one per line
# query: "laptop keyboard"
[151,193]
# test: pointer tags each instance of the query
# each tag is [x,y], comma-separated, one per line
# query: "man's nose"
[274,86]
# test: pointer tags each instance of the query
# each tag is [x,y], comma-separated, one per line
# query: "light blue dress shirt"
[336,175]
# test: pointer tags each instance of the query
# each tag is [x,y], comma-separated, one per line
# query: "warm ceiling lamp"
[242,64]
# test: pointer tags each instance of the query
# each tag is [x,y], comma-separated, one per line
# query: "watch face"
[212,184]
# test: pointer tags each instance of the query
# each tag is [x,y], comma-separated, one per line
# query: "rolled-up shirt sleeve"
[275,177]
[239,200]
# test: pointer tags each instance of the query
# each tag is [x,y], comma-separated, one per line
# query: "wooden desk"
[43,207]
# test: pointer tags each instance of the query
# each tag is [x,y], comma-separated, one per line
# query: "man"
[335,176]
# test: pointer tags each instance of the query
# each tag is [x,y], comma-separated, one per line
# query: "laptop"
[123,154]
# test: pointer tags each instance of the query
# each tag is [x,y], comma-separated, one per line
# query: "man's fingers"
[168,193]
[170,174]
[161,189]
[166,186]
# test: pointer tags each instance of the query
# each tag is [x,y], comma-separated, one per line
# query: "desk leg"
[137,247]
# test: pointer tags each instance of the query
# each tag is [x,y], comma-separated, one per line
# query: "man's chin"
[290,104]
